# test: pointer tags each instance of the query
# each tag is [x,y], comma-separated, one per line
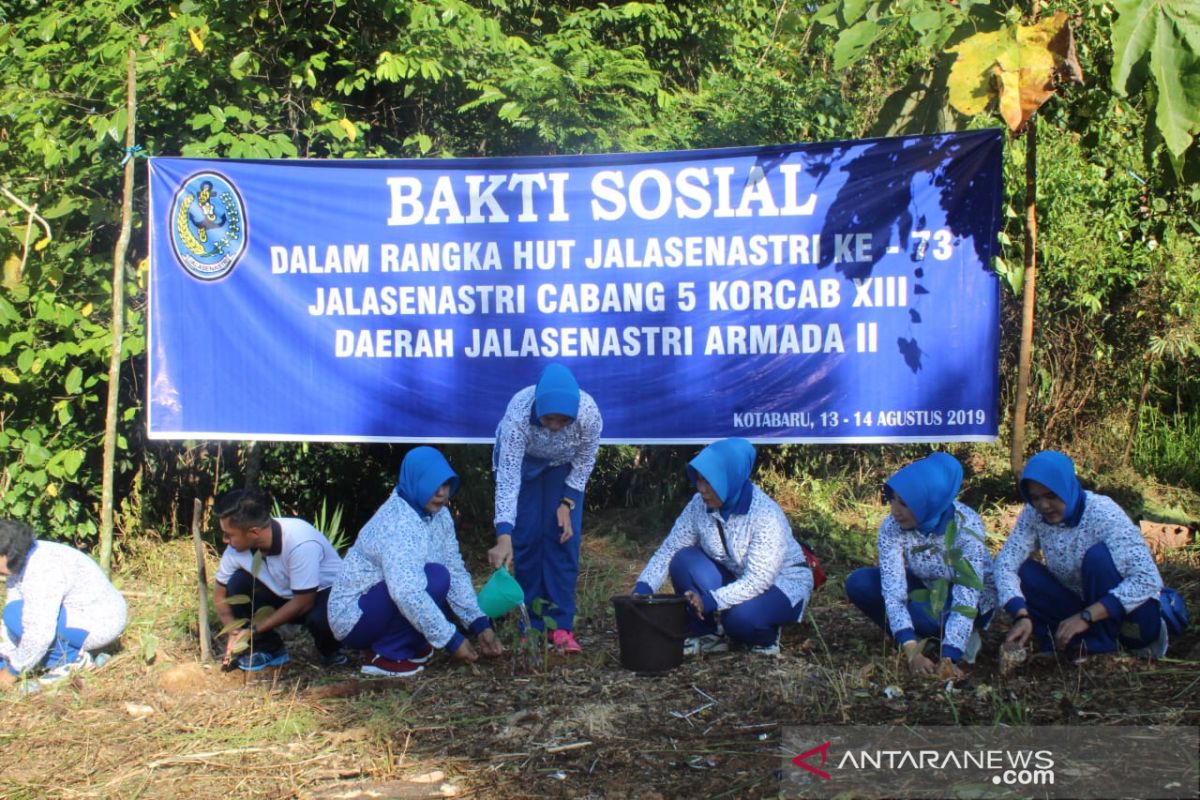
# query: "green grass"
[1168,447]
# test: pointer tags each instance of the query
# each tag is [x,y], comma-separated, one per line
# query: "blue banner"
[836,292]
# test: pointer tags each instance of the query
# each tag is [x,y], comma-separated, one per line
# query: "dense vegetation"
[1118,334]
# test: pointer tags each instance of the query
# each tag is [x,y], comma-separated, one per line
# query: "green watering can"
[500,594]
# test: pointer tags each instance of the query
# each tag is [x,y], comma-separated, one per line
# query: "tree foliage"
[431,78]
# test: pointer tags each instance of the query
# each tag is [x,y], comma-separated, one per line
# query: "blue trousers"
[864,588]
[1049,603]
[388,632]
[67,644]
[755,622]
[546,569]
[316,621]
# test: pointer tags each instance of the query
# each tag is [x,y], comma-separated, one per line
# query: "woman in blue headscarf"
[1099,585]
[404,578]
[912,557]
[731,553]
[545,450]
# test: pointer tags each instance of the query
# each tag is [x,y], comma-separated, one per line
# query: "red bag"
[814,564]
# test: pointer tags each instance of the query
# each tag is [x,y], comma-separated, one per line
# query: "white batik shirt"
[56,577]
[1063,549]
[517,437]
[921,554]
[394,547]
[762,552]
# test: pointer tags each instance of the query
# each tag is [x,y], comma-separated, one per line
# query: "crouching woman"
[404,579]
[913,558]
[731,553]
[1099,586]
[60,607]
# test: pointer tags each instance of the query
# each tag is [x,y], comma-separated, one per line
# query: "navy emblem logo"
[208,226]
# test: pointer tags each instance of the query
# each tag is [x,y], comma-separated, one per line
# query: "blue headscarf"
[422,472]
[726,465]
[929,487]
[557,392]
[1056,471]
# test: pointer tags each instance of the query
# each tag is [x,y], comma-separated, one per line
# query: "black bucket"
[651,630]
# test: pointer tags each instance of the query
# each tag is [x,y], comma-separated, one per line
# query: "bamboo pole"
[202,579]
[118,327]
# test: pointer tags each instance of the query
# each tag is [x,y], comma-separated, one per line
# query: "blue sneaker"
[258,660]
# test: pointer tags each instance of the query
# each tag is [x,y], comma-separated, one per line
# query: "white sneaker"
[766,649]
[84,661]
[771,649]
[972,649]
[707,643]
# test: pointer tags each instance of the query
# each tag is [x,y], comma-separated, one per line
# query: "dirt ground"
[155,723]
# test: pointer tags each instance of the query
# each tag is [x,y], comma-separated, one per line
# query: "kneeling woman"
[60,607]
[911,558]
[731,553]
[404,578]
[1099,585]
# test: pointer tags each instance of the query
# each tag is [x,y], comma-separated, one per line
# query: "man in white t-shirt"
[293,579]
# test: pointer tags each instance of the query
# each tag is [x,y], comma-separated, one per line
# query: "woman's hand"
[465,652]
[948,670]
[502,553]
[918,664]
[1020,631]
[564,522]
[696,604]
[489,643]
[1068,629]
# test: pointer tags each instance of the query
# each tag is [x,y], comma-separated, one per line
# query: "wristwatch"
[569,503]
[1086,616]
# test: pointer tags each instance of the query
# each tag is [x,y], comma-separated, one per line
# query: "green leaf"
[970,612]
[919,596]
[925,20]
[9,376]
[965,575]
[148,648]
[1132,35]
[36,455]
[72,460]
[853,43]
[853,10]
[256,563]
[237,600]
[74,380]
[1176,73]
[237,624]
[239,61]
[1160,39]
[261,613]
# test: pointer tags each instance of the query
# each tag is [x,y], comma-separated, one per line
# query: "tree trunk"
[1017,457]
[118,329]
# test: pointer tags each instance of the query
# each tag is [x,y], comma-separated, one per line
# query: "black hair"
[244,508]
[16,540]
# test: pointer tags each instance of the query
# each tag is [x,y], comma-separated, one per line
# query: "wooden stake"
[118,328]
[1025,357]
[202,577]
